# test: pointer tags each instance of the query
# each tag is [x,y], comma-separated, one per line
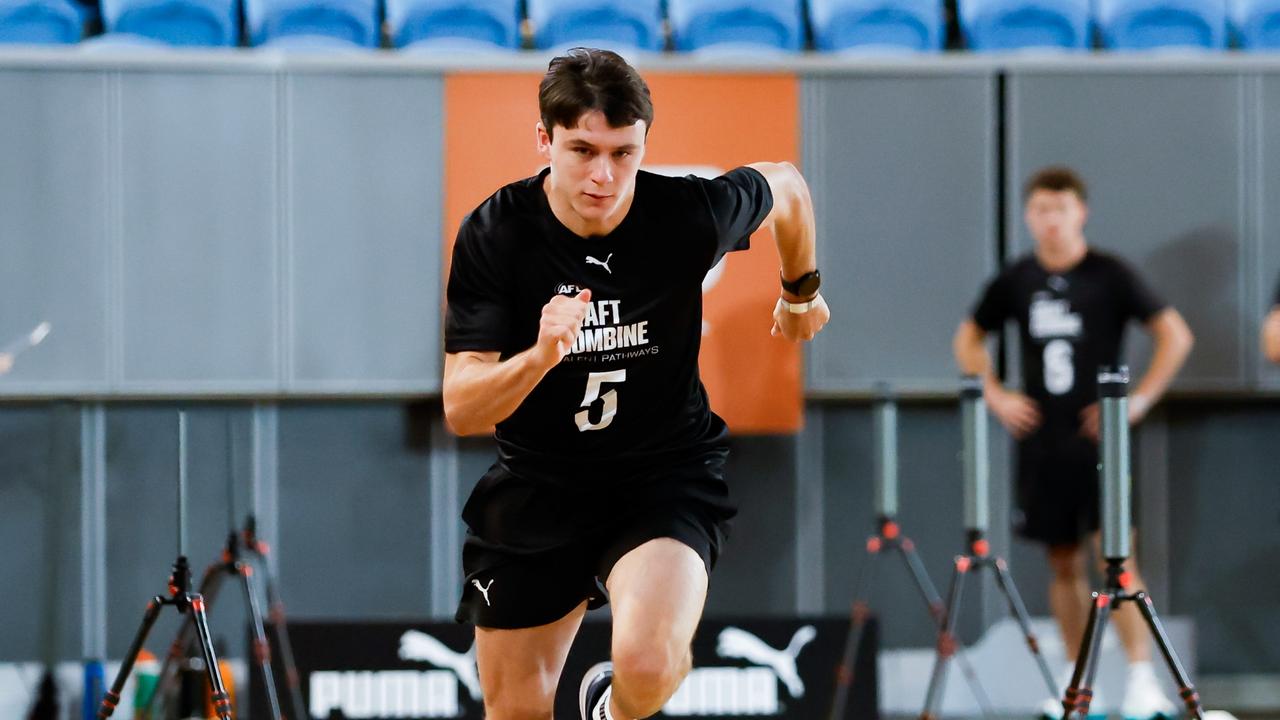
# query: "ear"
[544,142]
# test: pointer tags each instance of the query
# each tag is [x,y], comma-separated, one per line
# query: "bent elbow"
[455,417]
[1272,349]
[1188,339]
[464,423]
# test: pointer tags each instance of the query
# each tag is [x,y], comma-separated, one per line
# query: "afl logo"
[568,289]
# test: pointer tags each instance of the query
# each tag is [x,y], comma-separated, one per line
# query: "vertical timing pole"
[977,472]
[1113,390]
[886,439]
[231,472]
[264,480]
[182,483]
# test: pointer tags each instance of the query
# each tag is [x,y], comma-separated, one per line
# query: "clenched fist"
[800,326]
[561,320]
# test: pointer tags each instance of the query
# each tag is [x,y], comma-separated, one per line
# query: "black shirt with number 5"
[627,396]
[1069,323]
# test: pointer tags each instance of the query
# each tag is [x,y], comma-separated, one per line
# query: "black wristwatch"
[805,286]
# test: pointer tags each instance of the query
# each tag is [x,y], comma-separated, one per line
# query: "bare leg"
[519,669]
[657,591]
[1069,595]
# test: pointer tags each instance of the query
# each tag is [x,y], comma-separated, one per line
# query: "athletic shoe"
[594,686]
[1143,697]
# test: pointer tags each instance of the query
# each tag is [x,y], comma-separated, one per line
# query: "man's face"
[593,166]
[1056,218]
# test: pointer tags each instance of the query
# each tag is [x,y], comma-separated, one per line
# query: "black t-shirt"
[1068,324]
[628,395]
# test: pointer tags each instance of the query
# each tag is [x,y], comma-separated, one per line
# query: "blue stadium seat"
[1153,24]
[450,25]
[844,25]
[313,24]
[40,22]
[738,24]
[993,25]
[174,22]
[1256,23]
[609,23]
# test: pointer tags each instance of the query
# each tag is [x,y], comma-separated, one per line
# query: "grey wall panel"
[1268,268]
[197,186]
[1226,532]
[1179,220]
[756,573]
[364,189]
[142,474]
[902,171]
[39,525]
[53,205]
[930,512]
[354,512]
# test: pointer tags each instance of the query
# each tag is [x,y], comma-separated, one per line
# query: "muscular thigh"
[658,591]
[519,669]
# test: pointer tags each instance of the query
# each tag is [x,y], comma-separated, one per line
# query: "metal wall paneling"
[756,573]
[264,477]
[1267,223]
[930,512]
[141,515]
[902,168]
[355,512]
[811,559]
[53,218]
[196,187]
[444,532]
[93,532]
[41,577]
[364,191]
[1180,221]
[1223,500]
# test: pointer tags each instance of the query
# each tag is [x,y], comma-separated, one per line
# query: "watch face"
[809,284]
[805,285]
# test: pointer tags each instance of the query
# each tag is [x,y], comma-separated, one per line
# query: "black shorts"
[536,549]
[1058,489]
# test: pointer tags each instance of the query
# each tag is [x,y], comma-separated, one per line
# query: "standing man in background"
[1271,330]
[1071,305]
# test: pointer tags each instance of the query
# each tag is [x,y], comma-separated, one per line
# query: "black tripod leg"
[937,611]
[292,680]
[971,676]
[210,583]
[1004,579]
[858,615]
[946,640]
[1079,694]
[221,701]
[112,698]
[261,648]
[923,583]
[1185,689]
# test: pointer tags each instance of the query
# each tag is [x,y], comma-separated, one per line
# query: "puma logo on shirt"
[602,263]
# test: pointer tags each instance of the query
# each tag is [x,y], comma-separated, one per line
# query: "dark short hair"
[1055,178]
[584,80]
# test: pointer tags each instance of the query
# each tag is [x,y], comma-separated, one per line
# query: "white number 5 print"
[610,399]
